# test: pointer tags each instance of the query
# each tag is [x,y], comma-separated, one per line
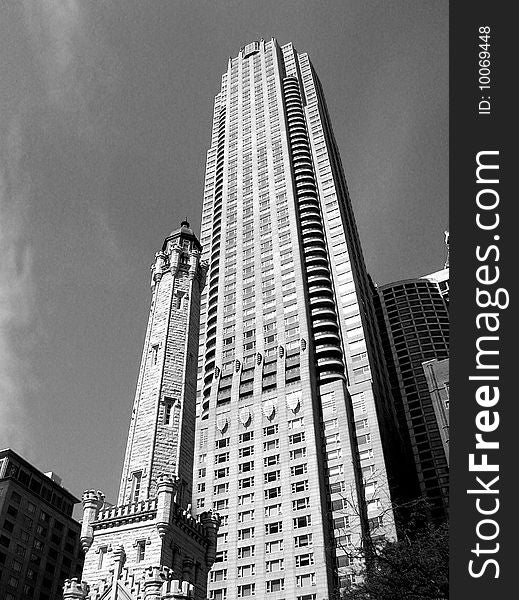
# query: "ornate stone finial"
[158,267]
[92,504]
[178,590]
[119,556]
[153,579]
[74,589]
[211,522]
[167,486]
[93,497]
[187,568]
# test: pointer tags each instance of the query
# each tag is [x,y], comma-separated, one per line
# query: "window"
[246,570]
[272,493]
[247,451]
[301,541]
[246,534]
[344,561]
[297,454]
[341,522]
[339,504]
[273,511]
[335,471]
[102,553]
[374,505]
[246,552]
[306,579]
[245,516]
[221,556]
[154,353]
[219,575]
[269,461]
[272,476]
[270,445]
[272,528]
[296,438]
[246,590]
[275,585]
[364,439]
[300,504]
[303,521]
[274,546]
[220,458]
[299,486]
[298,470]
[334,454]
[141,550]
[270,430]
[220,594]
[246,437]
[304,560]
[245,499]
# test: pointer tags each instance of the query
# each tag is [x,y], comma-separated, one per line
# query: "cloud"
[76,67]
[16,291]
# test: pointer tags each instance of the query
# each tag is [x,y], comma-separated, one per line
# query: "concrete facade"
[297,440]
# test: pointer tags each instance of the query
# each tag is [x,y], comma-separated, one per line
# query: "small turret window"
[136,485]
[141,550]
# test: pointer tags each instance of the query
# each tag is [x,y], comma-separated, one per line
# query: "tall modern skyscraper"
[296,444]
[414,318]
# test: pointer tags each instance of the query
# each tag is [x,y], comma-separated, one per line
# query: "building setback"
[149,545]
[297,446]
[39,539]
[415,318]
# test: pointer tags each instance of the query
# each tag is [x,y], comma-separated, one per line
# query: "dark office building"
[414,320]
[39,539]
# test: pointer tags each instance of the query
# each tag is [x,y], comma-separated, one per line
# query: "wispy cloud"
[16,292]
[76,66]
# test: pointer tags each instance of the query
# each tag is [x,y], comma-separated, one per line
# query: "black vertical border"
[471,133]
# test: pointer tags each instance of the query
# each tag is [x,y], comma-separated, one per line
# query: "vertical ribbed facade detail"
[325,331]
[292,409]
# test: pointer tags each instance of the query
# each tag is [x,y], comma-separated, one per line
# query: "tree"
[413,568]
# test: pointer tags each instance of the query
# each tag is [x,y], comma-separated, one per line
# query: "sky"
[105,120]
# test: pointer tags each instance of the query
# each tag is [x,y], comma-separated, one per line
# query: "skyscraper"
[415,319]
[149,545]
[296,443]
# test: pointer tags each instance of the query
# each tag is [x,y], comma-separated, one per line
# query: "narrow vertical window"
[141,550]
[169,404]
[136,485]
[102,552]
[154,353]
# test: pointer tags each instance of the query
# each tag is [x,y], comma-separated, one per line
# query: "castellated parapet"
[149,546]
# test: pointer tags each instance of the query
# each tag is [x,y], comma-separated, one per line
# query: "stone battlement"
[113,515]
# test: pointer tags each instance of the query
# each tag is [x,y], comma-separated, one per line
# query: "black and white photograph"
[225,247]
